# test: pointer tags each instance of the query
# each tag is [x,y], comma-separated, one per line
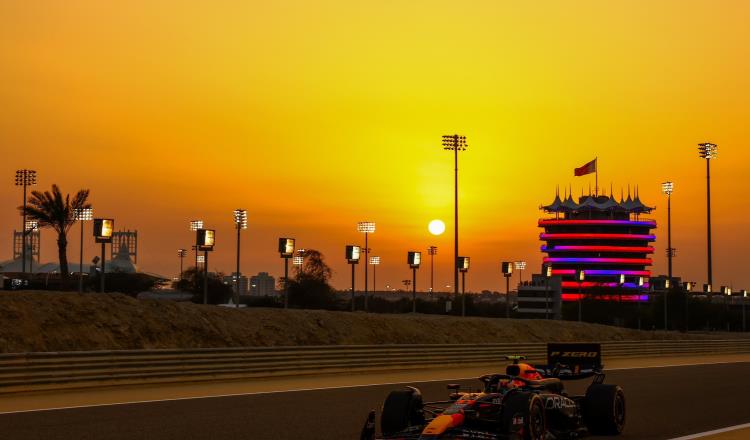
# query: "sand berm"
[54,321]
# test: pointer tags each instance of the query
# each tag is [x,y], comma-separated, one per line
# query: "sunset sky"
[316,115]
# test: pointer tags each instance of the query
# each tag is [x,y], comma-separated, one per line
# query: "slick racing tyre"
[524,417]
[401,410]
[604,409]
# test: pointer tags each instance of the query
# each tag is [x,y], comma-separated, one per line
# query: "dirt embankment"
[50,321]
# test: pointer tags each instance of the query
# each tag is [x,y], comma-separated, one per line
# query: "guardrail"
[58,370]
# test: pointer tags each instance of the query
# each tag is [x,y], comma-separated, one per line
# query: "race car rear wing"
[572,361]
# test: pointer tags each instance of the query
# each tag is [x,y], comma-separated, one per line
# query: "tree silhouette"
[310,288]
[52,210]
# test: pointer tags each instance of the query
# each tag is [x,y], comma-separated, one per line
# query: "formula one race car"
[525,403]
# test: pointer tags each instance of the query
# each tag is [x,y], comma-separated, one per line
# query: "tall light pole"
[414,259]
[547,275]
[194,226]
[580,277]
[286,251]
[103,229]
[240,222]
[205,239]
[181,253]
[463,268]
[366,228]
[352,257]
[708,151]
[455,143]
[374,261]
[520,266]
[24,178]
[31,227]
[687,287]
[82,215]
[432,251]
[744,301]
[667,188]
[507,269]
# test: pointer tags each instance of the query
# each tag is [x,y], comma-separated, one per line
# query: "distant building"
[124,241]
[262,284]
[244,282]
[541,298]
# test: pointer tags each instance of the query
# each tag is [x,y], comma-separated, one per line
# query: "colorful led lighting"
[628,298]
[554,222]
[593,284]
[627,249]
[605,272]
[639,237]
[597,260]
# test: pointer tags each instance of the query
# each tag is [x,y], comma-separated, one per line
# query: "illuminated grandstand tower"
[604,238]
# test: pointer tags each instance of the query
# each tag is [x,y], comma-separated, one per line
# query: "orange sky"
[316,115]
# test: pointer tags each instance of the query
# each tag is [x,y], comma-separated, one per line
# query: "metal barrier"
[58,370]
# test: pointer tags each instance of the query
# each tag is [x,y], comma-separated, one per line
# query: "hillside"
[51,321]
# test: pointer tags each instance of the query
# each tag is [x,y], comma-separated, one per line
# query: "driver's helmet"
[521,370]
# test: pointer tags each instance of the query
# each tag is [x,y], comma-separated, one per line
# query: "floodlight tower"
[374,261]
[520,266]
[455,143]
[194,226]
[667,188]
[432,251]
[240,222]
[82,215]
[366,228]
[708,151]
[181,253]
[24,178]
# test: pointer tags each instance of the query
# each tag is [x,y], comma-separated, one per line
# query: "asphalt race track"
[662,403]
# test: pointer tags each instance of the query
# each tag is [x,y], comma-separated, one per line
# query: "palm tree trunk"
[62,251]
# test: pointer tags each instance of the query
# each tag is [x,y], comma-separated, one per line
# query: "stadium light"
[708,151]
[194,226]
[506,268]
[667,188]
[240,223]
[463,267]
[547,272]
[580,277]
[205,239]
[432,251]
[103,230]
[286,251]
[520,266]
[455,143]
[181,254]
[366,228]
[374,261]
[352,257]
[24,178]
[414,259]
[82,215]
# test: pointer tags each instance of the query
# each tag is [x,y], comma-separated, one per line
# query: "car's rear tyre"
[604,409]
[401,410]
[528,409]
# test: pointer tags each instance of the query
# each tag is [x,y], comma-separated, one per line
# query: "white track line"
[254,393]
[714,432]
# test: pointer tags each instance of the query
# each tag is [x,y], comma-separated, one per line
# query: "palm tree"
[52,210]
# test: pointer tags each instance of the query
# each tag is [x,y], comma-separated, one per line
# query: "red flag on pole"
[586,169]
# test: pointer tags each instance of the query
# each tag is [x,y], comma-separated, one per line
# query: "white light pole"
[24,178]
[667,188]
[366,228]
[374,261]
[82,215]
[708,151]
[455,143]
[520,266]
[240,222]
[194,226]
